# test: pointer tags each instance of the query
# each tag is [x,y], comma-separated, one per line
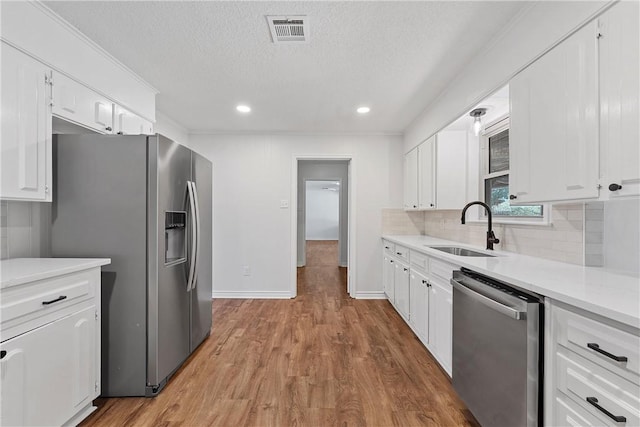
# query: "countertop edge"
[66,266]
[576,301]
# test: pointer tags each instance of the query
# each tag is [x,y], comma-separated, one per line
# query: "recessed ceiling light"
[243,108]
[363,110]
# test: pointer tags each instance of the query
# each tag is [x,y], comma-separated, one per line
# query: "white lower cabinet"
[401,282]
[440,323]
[418,287]
[50,356]
[48,374]
[591,372]
[388,273]
[419,305]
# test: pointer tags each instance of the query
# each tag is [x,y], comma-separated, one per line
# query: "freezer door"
[201,292]
[169,259]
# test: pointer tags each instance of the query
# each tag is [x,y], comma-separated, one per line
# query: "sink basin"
[454,250]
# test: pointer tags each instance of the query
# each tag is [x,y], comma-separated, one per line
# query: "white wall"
[253,174]
[321,212]
[171,129]
[539,27]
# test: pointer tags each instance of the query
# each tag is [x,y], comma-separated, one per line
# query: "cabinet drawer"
[388,247]
[581,379]
[419,261]
[49,298]
[569,413]
[441,269]
[401,252]
[592,338]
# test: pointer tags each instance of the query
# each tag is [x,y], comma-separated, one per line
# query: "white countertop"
[16,271]
[611,294]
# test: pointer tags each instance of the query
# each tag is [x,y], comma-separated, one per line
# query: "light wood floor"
[321,359]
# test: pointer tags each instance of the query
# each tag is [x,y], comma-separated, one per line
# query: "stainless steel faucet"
[491,238]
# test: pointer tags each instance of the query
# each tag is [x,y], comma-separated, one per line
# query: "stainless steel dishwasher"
[497,350]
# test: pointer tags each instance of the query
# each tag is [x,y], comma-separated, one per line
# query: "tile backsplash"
[621,236]
[560,241]
[399,221]
[594,234]
[24,229]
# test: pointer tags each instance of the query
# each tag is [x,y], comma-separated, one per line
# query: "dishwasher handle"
[491,303]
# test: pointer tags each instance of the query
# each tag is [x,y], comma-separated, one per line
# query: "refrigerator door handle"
[197,257]
[192,253]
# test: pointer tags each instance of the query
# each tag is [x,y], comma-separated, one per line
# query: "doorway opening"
[323,216]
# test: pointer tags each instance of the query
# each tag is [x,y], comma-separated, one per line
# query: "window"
[496,174]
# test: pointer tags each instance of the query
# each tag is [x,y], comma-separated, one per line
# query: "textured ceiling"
[206,57]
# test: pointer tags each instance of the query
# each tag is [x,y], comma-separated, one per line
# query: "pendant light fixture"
[477,124]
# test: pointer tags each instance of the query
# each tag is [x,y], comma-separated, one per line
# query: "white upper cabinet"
[427,174]
[619,45]
[127,123]
[411,180]
[435,173]
[79,104]
[33,27]
[25,145]
[554,123]
[451,169]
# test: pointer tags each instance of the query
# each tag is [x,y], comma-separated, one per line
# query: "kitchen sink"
[455,250]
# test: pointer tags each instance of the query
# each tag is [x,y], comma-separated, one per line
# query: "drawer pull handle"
[386,247]
[616,418]
[398,253]
[60,298]
[596,347]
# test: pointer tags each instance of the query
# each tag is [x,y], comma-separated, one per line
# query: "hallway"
[321,359]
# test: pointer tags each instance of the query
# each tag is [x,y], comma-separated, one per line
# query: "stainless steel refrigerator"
[145,202]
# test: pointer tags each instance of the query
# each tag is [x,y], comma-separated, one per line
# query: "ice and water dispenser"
[175,235]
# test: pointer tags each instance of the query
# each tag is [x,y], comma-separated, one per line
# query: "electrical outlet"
[246,270]
[284,204]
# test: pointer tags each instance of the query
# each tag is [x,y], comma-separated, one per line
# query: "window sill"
[528,222]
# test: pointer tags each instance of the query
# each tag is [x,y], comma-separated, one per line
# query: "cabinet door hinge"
[96,386]
[48,80]
[96,314]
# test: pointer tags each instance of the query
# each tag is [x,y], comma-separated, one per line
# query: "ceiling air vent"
[289,29]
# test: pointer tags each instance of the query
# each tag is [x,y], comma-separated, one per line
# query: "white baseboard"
[252,294]
[371,295]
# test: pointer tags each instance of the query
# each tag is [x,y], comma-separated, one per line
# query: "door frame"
[351,244]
